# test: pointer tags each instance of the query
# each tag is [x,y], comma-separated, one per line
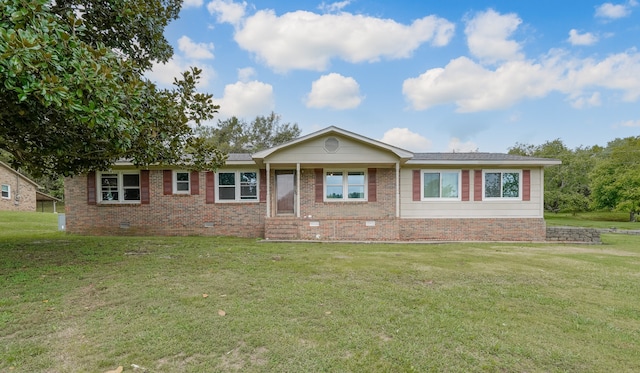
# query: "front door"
[285,192]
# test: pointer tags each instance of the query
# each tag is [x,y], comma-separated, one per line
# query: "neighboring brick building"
[329,185]
[17,192]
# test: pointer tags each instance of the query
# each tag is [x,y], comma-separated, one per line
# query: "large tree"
[234,135]
[73,97]
[616,177]
[566,185]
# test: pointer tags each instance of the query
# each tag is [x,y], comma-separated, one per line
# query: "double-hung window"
[5,191]
[502,184]
[181,182]
[345,185]
[237,186]
[119,187]
[440,185]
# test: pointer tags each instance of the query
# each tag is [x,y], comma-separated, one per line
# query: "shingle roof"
[239,157]
[475,156]
[478,157]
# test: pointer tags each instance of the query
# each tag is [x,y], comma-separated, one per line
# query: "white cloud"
[306,40]
[614,11]
[631,123]
[196,51]
[616,72]
[334,7]
[488,33]
[405,139]
[455,145]
[334,91]
[164,74]
[581,101]
[226,11]
[576,38]
[245,74]
[473,87]
[246,99]
[192,3]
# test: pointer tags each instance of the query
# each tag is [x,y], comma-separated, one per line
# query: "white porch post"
[297,190]
[268,190]
[397,189]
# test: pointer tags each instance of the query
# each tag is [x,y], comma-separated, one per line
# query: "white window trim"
[121,188]
[345,185]
[175,182]
[237,186]
[441,199]
[8,191]
[502,171]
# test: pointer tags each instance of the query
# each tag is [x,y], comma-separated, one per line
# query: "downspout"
[297,190]
[397,189]
[17,197]
[268,190]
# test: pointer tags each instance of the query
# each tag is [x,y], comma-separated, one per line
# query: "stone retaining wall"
[573,234]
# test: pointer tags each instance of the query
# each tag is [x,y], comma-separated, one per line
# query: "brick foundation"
[477,229]
[355,229]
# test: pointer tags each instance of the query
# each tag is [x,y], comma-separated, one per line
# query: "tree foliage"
[72,101]
[566,185]
[590,177]
[616,177]
[237,136]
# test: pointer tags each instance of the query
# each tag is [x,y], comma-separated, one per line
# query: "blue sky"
[427,76]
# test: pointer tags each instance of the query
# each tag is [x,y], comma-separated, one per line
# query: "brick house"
[329,185]
[17,192]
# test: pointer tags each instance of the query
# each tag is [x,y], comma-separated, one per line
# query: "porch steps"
[281,229]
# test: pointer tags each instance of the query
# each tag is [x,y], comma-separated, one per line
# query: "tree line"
[590,177]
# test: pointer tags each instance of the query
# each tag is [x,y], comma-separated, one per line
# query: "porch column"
[268,190]
[397,189]
[297,190]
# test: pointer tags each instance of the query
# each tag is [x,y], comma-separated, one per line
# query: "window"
[181,182]
[6,191]
[119,187]
[237,186]
[502,184]
[440,185]
[345,186]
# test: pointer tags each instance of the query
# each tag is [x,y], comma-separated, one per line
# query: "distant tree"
[237,136]
[566,185]
[616,177]
[73,97]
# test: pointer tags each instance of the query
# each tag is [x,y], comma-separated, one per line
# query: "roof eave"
[21,175]
[550,162]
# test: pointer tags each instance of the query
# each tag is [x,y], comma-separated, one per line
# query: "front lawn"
[594,219]
[197,304]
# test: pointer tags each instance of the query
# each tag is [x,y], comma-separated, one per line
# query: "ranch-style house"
[329,185]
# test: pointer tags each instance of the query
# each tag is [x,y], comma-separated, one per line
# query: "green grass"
[76,304]
[618,220]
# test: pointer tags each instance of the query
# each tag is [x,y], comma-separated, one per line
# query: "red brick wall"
[164,215]
[332,229]
[503,229]
[384,207]
[188,214]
